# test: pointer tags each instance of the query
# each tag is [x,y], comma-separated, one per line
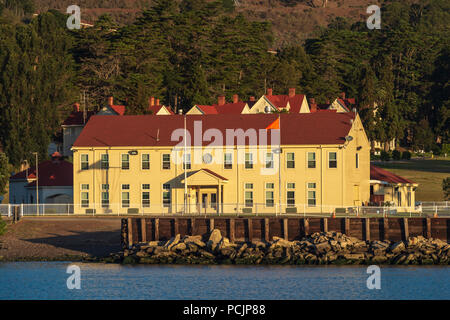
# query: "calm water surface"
[47,280]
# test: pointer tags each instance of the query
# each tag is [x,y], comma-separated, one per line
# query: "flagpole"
[184,166]
[279,164]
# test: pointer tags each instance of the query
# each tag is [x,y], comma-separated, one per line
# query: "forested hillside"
[190,51]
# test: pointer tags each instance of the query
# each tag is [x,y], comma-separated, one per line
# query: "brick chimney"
[110,101]
[312,105]
[252,98]
[157,102]
[269,91]
[235,98]
[76,107]
[151,101]
[343,95]
[291,92]
[221,100]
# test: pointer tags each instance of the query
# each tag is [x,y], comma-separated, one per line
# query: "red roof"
[214,174]
[280,101]
[76,118]
[227,108]
[207,109]
[120,110]
[376,173]
[52,173]
[145,130]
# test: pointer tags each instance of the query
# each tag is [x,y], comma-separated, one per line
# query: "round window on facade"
[207,158]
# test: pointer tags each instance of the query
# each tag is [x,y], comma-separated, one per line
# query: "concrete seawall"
[136,230]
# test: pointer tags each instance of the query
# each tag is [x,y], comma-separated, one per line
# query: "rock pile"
[318,248]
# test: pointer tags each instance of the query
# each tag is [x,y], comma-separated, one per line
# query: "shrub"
[385,156]
[406,155]
[436,150]
[446,188]
[396,155]
[446,148]
[2,226]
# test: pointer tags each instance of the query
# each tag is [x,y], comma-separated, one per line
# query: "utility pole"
[37,182]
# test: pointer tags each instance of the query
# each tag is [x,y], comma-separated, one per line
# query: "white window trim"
[252,162]
[307,196]
[184,159]
[162,161]
[121,198]
[265,195]
[170,195]
[328,162]
[81,161]
[315,159]
[149,162]
[250,190]
[286,161]
[265,160]
[101,161]
[225,162]
[129,162]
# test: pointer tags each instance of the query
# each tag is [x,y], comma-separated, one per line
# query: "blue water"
[47,280]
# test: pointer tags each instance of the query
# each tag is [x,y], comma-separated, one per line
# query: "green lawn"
[427,173]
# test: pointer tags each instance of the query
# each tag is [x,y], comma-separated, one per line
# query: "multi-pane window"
[248,194]
[105,195]
[84,161]
[187,161]
[228,161]
[104,161]
[146,195]
[399,197]
[311,194]
[332,160]
[311,160]
[145,161]
[357,161]
[290,160]
[269,160]
[125,161]
[166,195]
[269,194]
[84,195]
[290,194]
[249,161]
[125,196]
[166,161]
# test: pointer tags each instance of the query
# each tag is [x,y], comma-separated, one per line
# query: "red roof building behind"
[52,173]
[376,173]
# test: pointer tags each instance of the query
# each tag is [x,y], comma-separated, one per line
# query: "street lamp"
[37,182]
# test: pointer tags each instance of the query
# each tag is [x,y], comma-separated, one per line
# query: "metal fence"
[227,209]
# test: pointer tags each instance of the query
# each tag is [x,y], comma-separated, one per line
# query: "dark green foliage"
[446,188]
[2,226]
[189,52]
[396,155]
[35,79]
[385,156]
[4,172]
[406,155]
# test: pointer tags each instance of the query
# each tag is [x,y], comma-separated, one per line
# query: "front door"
[208,202]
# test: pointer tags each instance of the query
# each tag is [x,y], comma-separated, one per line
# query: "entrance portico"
[205,192]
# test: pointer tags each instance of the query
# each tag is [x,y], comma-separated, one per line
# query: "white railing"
[226,209]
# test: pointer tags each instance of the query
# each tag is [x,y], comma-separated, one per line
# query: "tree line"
[191,51]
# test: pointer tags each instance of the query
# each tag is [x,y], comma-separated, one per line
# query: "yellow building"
[134,164]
